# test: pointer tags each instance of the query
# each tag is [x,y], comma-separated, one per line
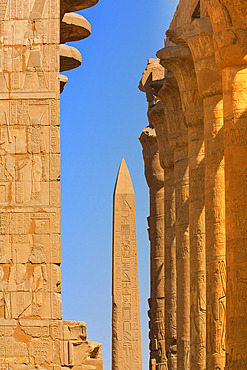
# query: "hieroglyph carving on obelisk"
[126,333]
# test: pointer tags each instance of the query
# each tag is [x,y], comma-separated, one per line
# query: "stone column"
[178,60]
[33,333]
[152,81]
[178,139]
[228,19]
[198,36]
[155,179]
[157,117]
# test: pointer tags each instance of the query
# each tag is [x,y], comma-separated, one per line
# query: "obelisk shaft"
[126,333]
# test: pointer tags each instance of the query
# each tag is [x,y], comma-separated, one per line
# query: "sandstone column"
[198,36]
[155,179]
[178,60]
[30,282]
[33,335]
[229,25]
[157,117]
[126,335]
[178,139]
[151,82]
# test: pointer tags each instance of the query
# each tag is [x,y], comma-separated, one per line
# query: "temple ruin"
[33,52]
[195,151]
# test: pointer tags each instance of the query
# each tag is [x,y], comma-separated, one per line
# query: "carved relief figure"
[198,304]
[222,304]
[33,39]
[4,297]
[4,41]
[217,315]
[38,277]
[36,154]
[5,137]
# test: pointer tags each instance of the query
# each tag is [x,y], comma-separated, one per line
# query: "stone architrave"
[179,61]
[154,174]
[229,22]
[178,140]
[151,82]
[126,333]
[198,37]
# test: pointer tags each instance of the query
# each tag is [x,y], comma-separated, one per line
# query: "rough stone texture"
[126,333]
[178,140]
[70,58]
[215,32]
[32,333]
[63,80]
[151,83]
[155,179]
[75,5]
[229,26]
[198,36]
[178,60]
[74,27]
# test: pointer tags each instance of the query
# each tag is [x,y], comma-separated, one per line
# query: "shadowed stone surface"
[70,58]
[74,27]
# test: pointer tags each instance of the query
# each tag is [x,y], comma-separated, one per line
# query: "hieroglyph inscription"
[126,312]
[29,51]
[29,153]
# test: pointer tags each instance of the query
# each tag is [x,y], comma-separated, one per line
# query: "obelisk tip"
[123,183]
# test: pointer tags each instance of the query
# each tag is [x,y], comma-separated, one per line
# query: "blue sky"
[102,115]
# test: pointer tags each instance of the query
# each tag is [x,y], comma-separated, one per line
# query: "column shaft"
[215,230]
[235,134]
[197,247]
[156,232]
[170,270]
[181,177]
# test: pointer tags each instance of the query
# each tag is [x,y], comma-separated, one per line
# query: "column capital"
[178,60]
[152,79]
[198,36]
[154,173]
[151,82]
[228,19]
[176,126]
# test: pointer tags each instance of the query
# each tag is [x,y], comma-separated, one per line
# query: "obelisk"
[126,332]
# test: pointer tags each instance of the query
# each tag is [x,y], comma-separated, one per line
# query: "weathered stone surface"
[31,326]
[74,27]
[198,36]
[151,82]
[78,353]
[126,336]
[75,5]
[63,80]
[179,61]
[228,20]
[178,139]
[154,174]
[70,58]
[215,32]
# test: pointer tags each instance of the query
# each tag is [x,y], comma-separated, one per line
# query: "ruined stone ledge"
[70,58]
[63,80]
[75,5]
[74,27]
